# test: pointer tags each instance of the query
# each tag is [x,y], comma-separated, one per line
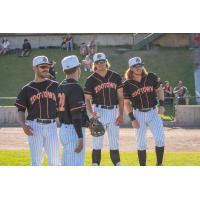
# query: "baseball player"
[105,89]
[72,113]
[38,97]
[141,89]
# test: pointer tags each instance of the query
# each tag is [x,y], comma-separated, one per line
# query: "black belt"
[107,107]
[145,109]
[45,121]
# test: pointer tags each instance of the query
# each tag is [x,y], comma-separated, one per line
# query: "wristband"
[131,116]
[161,103]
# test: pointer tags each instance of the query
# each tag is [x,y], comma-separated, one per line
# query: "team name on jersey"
[41,95]
[145,89]
[105,85]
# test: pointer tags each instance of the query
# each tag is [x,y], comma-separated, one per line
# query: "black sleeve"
[77,105]
[126,92]
[88,87]
[155,80]
[22,100]
[119,82]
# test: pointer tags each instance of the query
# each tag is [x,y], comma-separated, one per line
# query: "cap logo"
[44,59]
[137,60]
[99,56]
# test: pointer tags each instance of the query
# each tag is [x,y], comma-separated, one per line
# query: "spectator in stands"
[4,46]
[83,49]
[92,47]
[168,93]
[67,42]
[181,93]
[87,63]
[26,48]
[52,72]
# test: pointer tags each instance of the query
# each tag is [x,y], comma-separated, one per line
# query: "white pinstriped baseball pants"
[44,135]
[69,141]
[152,120]
[107,117]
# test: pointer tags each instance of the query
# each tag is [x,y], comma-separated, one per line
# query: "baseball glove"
[96,127]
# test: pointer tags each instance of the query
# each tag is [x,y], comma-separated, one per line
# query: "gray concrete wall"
[8,116]
[187,115]
[37,40]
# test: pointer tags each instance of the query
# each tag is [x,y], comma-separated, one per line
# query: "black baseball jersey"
[103,89]
[39,98]
[71,99]
[142,94]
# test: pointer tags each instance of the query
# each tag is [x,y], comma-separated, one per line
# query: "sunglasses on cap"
[100,62]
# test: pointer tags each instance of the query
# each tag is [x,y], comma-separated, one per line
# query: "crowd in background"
[179,93]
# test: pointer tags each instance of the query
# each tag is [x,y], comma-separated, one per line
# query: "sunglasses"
[100,62]
[136,66]
[44,66]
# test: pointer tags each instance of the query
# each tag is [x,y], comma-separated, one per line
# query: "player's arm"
[120,96]
[21,104]
[27,129]
[128,107]
[77,105]
[159,92]
[160,95]
[129,111]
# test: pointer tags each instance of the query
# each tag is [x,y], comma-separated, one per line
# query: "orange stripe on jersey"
[120,86]
[140,94]
[20,105]
[85,91]
[38,99]
[77,108]
[103,89]
[47,99]
[109,88]
[146,93]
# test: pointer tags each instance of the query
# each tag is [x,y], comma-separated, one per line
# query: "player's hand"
[119,120]
[161,110]
[135,124]
[79,147]
[27,129]
[94,115]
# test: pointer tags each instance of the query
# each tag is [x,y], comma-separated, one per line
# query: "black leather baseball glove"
[96,127]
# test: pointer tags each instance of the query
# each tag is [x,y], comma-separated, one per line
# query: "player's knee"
[141,147]
[96,156]
[160,142]
[115,157]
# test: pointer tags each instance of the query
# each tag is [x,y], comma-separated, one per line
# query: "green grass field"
[22,158]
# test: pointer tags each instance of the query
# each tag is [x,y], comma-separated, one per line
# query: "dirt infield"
[176,139]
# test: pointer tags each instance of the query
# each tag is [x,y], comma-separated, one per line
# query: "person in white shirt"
[4,46]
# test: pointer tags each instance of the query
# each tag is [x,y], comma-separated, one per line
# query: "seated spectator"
[181,93]
[67,42]
[26,48]
[83,49]
[92,47]
[52,72]
[168,93]
[87,63]
[4,46]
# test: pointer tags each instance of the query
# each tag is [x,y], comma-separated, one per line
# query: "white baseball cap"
[70,62]
[40,60]
[135,61]
[99,56]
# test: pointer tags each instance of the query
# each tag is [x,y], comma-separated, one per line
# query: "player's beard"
[43,75]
